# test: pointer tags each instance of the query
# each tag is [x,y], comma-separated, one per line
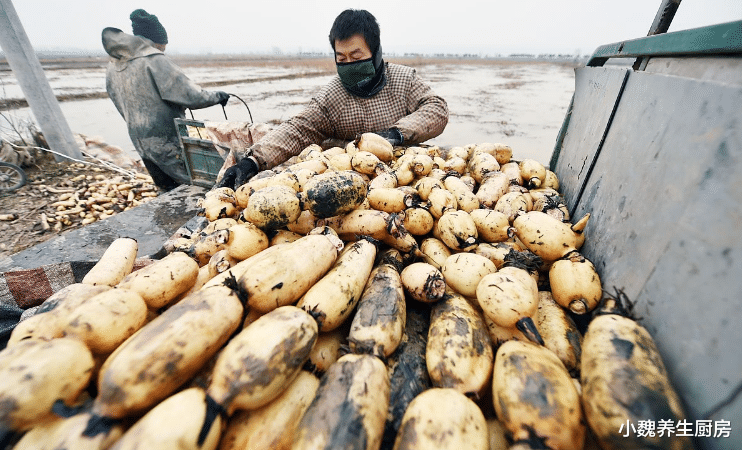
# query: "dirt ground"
[47,181]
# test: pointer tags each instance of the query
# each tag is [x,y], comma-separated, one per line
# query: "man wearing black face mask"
[368,95]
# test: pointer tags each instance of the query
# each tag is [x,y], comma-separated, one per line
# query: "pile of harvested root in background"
[362,297]
[85,199]
[60,196]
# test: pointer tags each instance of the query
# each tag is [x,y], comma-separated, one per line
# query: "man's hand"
[223,98]
[392,135]
[239,174]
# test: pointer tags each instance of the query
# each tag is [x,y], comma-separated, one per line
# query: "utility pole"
[34,84]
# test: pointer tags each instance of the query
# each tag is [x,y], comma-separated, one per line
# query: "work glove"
[392,135]
[239,174]
[223,98]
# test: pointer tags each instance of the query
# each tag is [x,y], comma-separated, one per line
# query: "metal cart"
[201,157]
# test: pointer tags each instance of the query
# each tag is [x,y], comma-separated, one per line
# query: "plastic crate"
[201,157]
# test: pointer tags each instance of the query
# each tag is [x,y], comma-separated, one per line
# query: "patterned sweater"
[406,103]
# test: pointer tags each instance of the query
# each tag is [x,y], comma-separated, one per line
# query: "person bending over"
[149,91]
[367,95]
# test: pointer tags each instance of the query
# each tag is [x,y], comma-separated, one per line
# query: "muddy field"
[521,103]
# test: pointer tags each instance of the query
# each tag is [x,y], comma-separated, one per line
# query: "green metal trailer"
[654,153]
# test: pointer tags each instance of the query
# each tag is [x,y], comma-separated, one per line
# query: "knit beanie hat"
[146,25]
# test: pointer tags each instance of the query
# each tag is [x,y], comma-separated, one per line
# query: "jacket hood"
[123,46]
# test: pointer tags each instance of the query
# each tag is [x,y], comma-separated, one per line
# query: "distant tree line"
[318,54]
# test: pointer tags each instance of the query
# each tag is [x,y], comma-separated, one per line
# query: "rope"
[244,103]
[105,164]
[225,111]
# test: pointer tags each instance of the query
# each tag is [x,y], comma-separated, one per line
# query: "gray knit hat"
[146,25]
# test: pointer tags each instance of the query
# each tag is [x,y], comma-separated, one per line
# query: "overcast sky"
[456,26]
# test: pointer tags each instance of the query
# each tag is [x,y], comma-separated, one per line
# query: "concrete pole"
[35,86]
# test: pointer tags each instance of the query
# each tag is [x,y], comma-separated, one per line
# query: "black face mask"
[363,78]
